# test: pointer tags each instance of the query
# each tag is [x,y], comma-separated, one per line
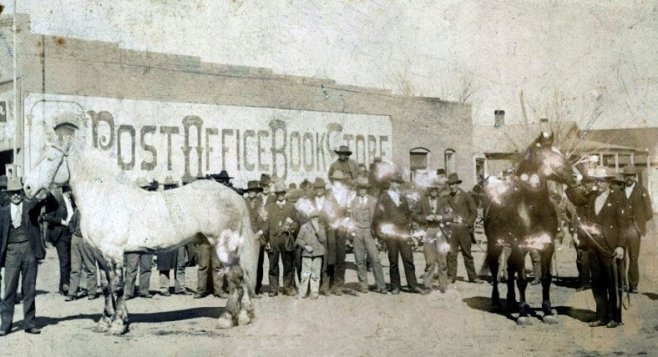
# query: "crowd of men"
[309,228]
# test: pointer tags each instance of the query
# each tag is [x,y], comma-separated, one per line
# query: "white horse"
[119,217]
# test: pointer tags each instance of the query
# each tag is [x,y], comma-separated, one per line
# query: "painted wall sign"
[156,138]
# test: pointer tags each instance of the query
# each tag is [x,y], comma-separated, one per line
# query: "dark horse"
[518,214]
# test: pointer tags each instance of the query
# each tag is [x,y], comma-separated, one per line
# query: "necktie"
[16,218]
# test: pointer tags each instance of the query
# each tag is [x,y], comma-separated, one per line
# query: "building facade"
[160,114]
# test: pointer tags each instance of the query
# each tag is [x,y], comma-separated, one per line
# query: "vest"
[361,214]
[17,235]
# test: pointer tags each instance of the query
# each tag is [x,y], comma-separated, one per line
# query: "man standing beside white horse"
[120,217]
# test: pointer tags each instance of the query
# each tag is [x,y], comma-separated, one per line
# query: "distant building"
[497,146]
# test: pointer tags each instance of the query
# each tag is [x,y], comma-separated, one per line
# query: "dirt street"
[456,323]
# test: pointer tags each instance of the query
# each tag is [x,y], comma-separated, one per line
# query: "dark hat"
[362,182]
[253,186]
[630,171]
[453,178]
[440,171]
[292,186]
[14,184]
[265,179]
[377,159]
[619,178]
[343,149]
[153,185]
[319,183]
[304,185]
[222,176]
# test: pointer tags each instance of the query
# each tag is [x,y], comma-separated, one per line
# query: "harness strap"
[65,156]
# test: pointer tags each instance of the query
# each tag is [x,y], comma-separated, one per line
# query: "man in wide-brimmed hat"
[255,206]
[362,209]
[344,164]
[603,223]
[432,215]
[464,213]
[21,248]
[637,200]
[392,221]
[282,229]
[267,194]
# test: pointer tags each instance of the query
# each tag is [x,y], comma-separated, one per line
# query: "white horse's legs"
[230,317]
[105,322]
[120,318]
[247,313]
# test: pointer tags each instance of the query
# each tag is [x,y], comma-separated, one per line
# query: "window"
[449,160]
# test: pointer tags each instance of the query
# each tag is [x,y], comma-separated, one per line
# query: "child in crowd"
[311,239]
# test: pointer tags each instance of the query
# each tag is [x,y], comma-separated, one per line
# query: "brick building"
[161,114]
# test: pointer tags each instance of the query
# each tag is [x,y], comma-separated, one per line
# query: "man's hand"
[619,253]
[308,248]
[430,217]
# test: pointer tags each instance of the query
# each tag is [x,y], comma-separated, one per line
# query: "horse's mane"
[96,162]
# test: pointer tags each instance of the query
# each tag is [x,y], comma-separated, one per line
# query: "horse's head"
[52,168]
[542,161]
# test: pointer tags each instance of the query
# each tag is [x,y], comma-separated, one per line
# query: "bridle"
[64,158]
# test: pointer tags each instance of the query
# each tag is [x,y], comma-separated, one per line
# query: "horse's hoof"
[103,325]
[243,318]
[118,329]
[550,319]
[224,323]
[523,321]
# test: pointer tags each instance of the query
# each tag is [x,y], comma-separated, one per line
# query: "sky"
[593,62]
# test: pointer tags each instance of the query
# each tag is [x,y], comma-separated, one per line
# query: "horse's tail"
[249,252]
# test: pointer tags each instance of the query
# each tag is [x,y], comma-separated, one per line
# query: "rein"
[65,155]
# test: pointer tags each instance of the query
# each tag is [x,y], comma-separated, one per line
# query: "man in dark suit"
[257,217]
[60,236]
[20,249]
[638,202]
[603,224]
[281,228]
[431,215]
[392,221]
[464,210]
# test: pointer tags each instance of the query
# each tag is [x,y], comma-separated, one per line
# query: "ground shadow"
[154,317]
[483,303]
[651,296]
[578,314]
[567,282]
